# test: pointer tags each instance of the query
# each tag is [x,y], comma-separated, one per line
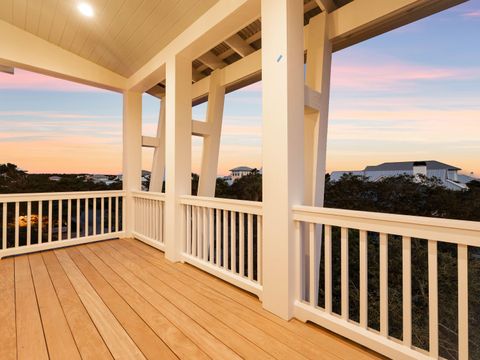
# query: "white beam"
[21,49]
[158,162]
[319,60]
[326,5]
[150,141]
[178,144]
[313,100]
[340,34]
[201,128]
[239,45]
[283,85]
[212,61]
[132,152]
[219,23]
[211,142]
[7,69]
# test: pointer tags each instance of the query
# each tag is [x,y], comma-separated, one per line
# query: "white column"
[178,146]
[158,164]
[319,58]
[132,152]
[211,141]
[283,103]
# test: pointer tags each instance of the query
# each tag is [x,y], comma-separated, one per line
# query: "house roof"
[408,165]
[242,168]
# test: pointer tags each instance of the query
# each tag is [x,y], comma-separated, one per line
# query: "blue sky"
[410,94]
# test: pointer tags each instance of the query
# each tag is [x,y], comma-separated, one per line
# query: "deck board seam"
[178,308]
[121,297]
[212,313]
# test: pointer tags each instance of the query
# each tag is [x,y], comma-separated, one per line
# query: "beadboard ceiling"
[122,36]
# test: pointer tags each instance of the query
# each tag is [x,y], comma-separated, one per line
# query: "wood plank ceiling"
[122,36]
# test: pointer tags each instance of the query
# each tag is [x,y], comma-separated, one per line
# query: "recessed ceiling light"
[85,9]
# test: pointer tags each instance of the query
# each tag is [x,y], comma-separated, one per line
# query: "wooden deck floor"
[122,299]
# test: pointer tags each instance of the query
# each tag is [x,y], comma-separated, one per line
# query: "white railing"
[324,291]
[148,223]
[224,237]
[40,221]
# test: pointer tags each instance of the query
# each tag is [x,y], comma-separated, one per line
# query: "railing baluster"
[4,226]
[59,222]
[205,234]
[17,229]
[86,232]
[218,237]
[225,239]
[241,234]
[363,279]
[94,200]
[162,231]
[328,269]
[344,273]
[69,219]
[116,212]
[199,232]
[50,220]
[259,249]
[384,284]
[298,256]
[77,219]
[462,302]
[313,273]
[211,234]
[109,214]
[29,223]
[102,219]
[194,231]
[433,297]
[250,246]
[189,229]
[40,221]
[233,240]
[407,290]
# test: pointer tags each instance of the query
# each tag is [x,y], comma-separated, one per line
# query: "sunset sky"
[411,94]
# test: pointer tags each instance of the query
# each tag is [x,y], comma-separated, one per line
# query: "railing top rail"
[59,195]
[149,195]
[447,230]
[250,207]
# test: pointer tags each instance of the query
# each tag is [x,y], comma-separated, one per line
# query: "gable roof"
[408,165]
[242,168]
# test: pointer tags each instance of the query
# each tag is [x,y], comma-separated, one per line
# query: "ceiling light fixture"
[85,9]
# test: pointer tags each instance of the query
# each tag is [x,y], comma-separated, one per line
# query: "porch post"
[158,163]
[132,153]
[283,148]
[178,149]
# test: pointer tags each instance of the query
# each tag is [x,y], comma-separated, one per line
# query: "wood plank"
[205,340]
[8,338]
[30,337]
[118,341]
[216,299]
[144,337]
[88,340]
[230,338]
[60,342]
[183,347]
[329,341]
[270,344]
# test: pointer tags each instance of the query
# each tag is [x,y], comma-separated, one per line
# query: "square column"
[178,150]
[283,147]
[132,153]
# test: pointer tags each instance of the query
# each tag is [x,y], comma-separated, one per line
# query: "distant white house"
[55,178]
[238,172]
[447,174]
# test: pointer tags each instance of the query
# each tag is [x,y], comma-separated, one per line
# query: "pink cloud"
[475,13]
[392,75]
[25,80]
